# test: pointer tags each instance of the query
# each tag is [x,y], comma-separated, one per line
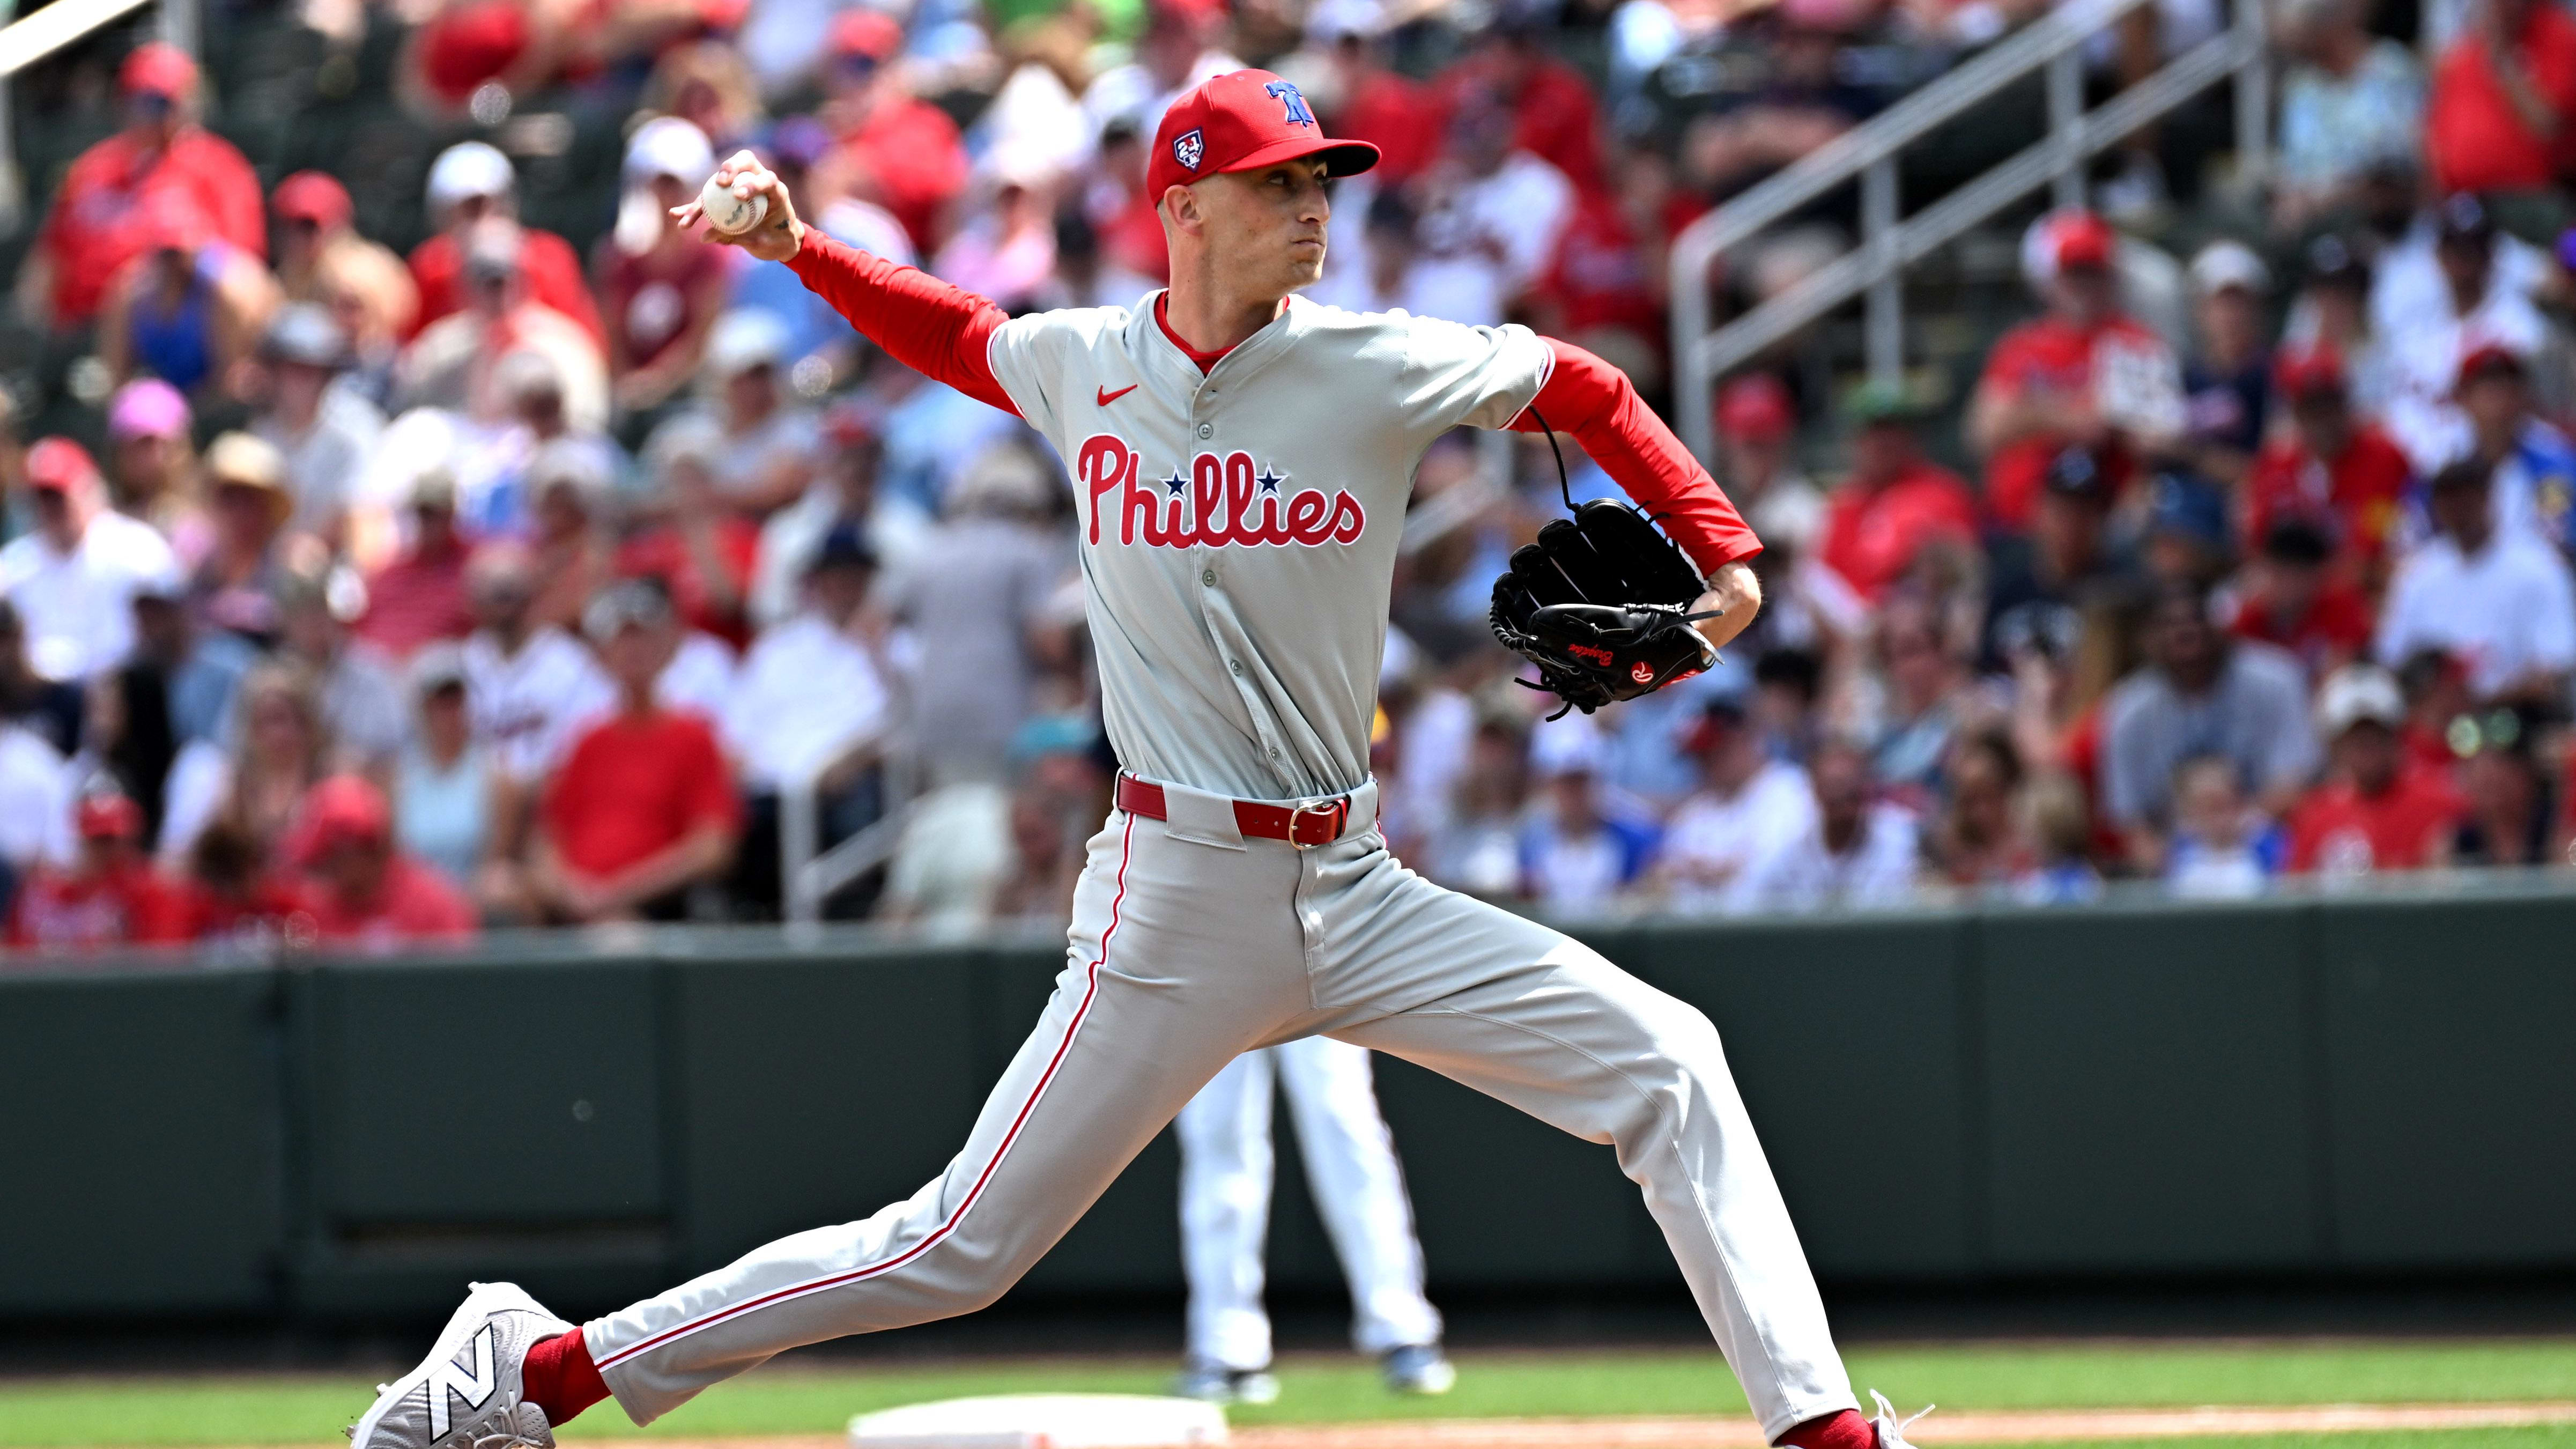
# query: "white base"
[1044,1421]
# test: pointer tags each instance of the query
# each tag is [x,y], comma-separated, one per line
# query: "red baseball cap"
[108,816]
[1240,121]
[341,808]
[2491,356]
[315,197]
[1755,408]
[158,68]
[61,465]
[861,32]
[2307,372]
[2077,239]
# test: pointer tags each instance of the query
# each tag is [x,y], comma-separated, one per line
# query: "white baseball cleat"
[466,1394]
[1418,1368]
[1891,1429]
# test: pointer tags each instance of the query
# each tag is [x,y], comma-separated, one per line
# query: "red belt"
[1304,826]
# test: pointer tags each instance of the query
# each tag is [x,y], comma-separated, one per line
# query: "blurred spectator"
[152,469]
[324,431]
[2047,594]
[50,709]
[419,596]
[1553,114]
[198,668]
[976,599]
[2187,530]
[2513,802]
[529,684]
[72,577]
[1924,687]
[707,84]
[190,305]
[2222,848]
[2534,463]
[2059,827]
[760,444]
[359,886]
[2227,384]
[1857,852]
[2375,810]
[1054,806]
[235,585]
[2200,694]
[1178,50]
[896,149]
[318,243]
[357,688]
[1475,845]
[447,793]
[2333,470]
[1005,248]
[1490,202]
[1748,806]
[1376,102]
[97,221]
[1580,849]
[1604,287]
[2293,600]
[2501,99]
[1976,840]
[660,287]
[1389,270]
[2500,602]
[643,808]
[2350,100]
[541,430]
[36,795]
[846,494]
[1894,503]
[108,897]
[1803,103]
[2468,305]
[469,183]
[682,532]
[247,788]
[1756,424]
[2085,373]
[569,534]
[455,362]
[810,707]
[2333,316]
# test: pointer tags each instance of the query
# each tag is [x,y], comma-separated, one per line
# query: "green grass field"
[803,1398]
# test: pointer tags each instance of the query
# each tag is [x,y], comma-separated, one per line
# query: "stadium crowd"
[380,588]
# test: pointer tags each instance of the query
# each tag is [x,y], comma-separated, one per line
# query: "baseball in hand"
[730,214]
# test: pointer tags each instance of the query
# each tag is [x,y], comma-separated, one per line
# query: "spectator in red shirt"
[701,549]
[1555,116]
[1895,502]
[2374,810]
[1608,271]
[663,288]
[2043,388]
[897,150]
[2496,117]
[2295,601]
[109,897]
[2335,469]
[356,886]
[95,226]
[644,806]
[468,182]
[419,597]
[1379,104]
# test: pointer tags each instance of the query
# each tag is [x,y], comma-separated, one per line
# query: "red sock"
[1842,1429]
[559,1378]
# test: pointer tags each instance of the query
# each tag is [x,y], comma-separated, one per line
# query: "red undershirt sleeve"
[1595,402]
[939,331]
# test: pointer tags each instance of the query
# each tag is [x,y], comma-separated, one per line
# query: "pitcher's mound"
[1044,1421]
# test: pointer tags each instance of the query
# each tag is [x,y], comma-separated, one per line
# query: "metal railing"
[1889,244]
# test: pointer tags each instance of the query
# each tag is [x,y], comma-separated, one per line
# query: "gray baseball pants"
[1191,945]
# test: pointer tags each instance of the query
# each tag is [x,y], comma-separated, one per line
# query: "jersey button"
[1208,577]
[1207,430]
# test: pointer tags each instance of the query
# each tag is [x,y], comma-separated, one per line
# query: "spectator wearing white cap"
[467,183]
[326,432]
[660,288]
[455,363]
[1582,846]
[2376,809]
[762,443]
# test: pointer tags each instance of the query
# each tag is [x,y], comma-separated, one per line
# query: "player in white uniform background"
[1240,462]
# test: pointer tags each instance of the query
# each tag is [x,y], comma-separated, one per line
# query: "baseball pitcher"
[1240,460]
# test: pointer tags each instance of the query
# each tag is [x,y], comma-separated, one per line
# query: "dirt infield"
[2006,1427]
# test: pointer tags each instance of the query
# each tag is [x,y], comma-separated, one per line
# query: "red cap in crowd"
[2485,357]
[158,68]
[1187,12]
[1754,408]
[865,34]
[344,809]
[470,44]
[108,816]
[1240,121]
[61,465]
[2075,238]
[314,197]
[2306,372]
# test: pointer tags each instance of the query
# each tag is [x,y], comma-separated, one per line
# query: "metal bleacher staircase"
[2050,48]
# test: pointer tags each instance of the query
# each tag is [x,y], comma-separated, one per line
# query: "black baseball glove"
[1601,604]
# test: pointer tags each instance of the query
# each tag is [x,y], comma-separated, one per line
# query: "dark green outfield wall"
[2309,1088]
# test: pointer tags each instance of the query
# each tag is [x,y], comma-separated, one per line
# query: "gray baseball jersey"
[1239,529]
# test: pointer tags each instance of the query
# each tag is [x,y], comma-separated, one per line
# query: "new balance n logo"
[472,1384]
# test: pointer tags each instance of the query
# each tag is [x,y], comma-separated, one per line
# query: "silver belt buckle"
[1302,810]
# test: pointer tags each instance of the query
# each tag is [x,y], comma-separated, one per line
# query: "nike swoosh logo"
[1107,397]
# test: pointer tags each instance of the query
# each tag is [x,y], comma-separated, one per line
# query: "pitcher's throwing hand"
[779,235]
